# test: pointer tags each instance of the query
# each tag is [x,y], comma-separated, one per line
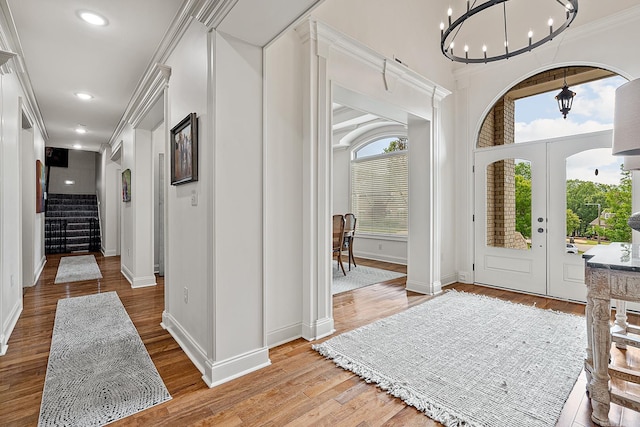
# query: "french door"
[520,230]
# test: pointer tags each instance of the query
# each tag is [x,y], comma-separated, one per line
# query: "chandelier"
[475,50]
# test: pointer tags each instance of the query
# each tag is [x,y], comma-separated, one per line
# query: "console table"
[612,272]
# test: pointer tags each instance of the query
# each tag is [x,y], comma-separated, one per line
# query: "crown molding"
[212,12]
[149,93]
[327,39]
[10,45]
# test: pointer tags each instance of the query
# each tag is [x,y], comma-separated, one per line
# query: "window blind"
[380,193]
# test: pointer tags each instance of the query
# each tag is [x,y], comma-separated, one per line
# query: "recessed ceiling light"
[81,129]
[69,182]
[92,18]
[77,146]
[84,96]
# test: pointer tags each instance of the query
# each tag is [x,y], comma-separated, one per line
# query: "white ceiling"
[64,55]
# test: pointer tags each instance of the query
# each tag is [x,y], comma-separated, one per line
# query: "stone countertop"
[615,256]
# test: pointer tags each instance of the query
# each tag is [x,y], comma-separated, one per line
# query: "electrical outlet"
[379,246]
[12,281]
[194,198]
[128,251]
[186,294]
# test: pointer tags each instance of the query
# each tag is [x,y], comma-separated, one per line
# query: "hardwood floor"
[299,388]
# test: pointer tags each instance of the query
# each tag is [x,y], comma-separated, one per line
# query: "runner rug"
[468,360]
[358,277]
[77,268]
[99,370]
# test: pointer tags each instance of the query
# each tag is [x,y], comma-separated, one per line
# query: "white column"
[420,246]
[317,317]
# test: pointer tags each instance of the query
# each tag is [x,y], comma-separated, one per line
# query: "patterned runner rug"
[99,370]
[358,277]
[469,360]
[77,268]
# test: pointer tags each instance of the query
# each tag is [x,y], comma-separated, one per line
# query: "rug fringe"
[401,391]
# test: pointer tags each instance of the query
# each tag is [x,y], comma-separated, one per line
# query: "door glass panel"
[509,204]
[598,200]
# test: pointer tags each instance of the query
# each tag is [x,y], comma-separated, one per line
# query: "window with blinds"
[380,193]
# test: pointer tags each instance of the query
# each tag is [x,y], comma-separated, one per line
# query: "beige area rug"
[469,360]
[77,268]
[99,370]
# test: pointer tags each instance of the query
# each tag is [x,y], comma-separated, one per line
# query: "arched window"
[380,186]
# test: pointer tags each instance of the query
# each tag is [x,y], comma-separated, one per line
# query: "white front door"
[504,257]
[542,266]
[566,270]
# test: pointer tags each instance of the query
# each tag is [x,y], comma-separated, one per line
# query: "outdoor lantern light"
[565,99]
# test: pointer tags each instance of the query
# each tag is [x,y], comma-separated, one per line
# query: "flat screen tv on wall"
[56,157]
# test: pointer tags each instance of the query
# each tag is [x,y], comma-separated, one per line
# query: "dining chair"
[349,233]
[338,239]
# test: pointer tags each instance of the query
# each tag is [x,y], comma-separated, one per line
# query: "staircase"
[71,223]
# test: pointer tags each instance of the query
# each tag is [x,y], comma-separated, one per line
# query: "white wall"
[108,191]
[478,88]
[213,276]
[188,234]
[283,189]
[81,170]
[11,184]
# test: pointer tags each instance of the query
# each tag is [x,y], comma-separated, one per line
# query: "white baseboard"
[126,273]
[424,288]
[191,348]
[465,277]
[284,335]
[143,282]
[449,279]
[215,372]
[8,326]
[39,270]
[319,329]
[380,257]
[226,370]
[108,252]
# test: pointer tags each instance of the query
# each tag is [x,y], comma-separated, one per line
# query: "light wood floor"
[299,388]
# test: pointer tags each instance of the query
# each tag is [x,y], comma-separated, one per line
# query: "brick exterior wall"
[499,129]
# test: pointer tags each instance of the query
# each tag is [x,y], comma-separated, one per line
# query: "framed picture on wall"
[184,151]
[40,186]
[126,185]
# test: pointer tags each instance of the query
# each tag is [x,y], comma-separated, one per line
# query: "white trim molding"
[335,61]
[214,372]
[9,325]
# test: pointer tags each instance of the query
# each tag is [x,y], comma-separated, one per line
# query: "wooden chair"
[349,233]
[338,239]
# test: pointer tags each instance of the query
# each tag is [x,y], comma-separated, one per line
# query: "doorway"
[521,216]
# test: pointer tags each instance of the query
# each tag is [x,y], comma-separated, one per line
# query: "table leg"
[620,325]
[588,361]
[599,390]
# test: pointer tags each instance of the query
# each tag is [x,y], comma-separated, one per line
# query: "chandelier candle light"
[526,41]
